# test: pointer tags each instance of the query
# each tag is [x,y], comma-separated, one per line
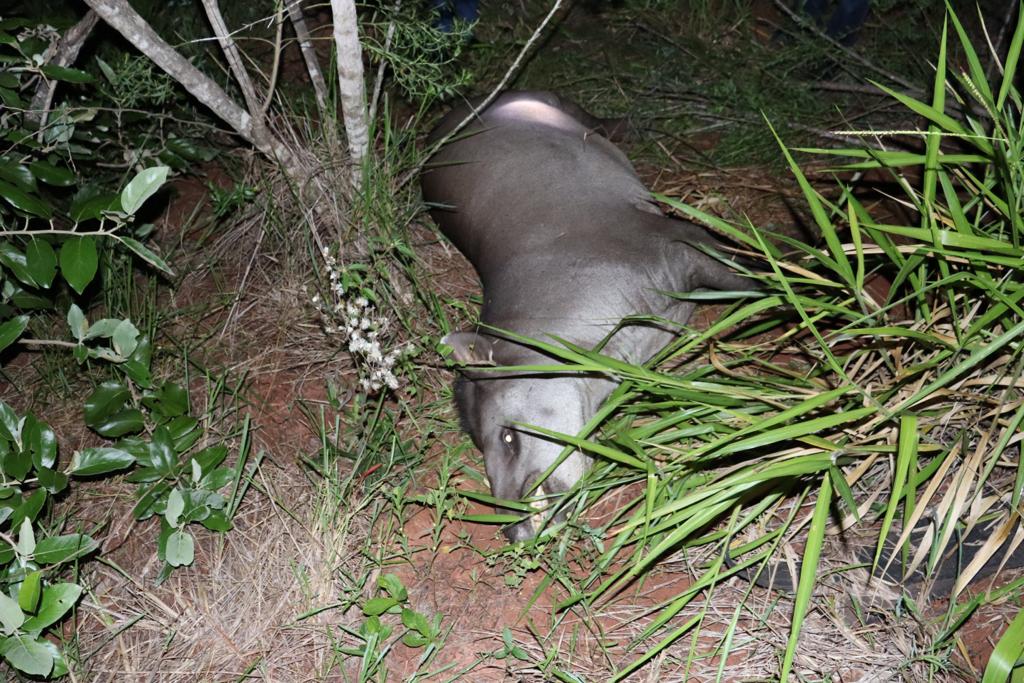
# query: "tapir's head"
[496,406]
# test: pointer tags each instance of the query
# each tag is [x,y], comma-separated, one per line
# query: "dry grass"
[264,601]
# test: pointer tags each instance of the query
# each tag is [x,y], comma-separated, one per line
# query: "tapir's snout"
[545,499]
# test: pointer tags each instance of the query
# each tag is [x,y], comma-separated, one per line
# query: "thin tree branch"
[309,55]
[276,68]
[227,44]
[65,52]
[126,21]
[351,87]
[379,83]
[475,111]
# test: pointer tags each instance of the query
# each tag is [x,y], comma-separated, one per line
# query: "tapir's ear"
[471,348]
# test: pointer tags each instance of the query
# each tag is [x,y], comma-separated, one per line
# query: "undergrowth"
[874,381]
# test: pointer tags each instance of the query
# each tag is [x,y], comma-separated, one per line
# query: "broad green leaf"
[79,261]
[58,549]
[169,158]
[161,454]
[393,585]
[29,508]
[189,149]
[143,475]
[30,592]
[210,457]
[146,254]
[9,97]
[124,338]
[17,173]
[38,438]
[77,322]
[55,603]
[63,73]
[23,201]
[41,261]
[28,655]
[180,549]
[147,504]
[127,421]
[11,616]
[170,400]
[137,365]
[52,175]
[412,619]
[217,521]
[175,506]
[217,479]
[377,606]
[17,464]
[29,300]
[93,461]
[11,329]
[414,640]
[184,432]
[60,665]
[26,544]
[10,423]
[16,262]
[107,399]
[102,328]
[51,480]
[142,187]
[90,202]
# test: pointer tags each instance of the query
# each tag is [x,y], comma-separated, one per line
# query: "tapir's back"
[526,173]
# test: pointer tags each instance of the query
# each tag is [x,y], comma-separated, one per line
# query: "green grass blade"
[808,572]
[1007,652]
[1012,60]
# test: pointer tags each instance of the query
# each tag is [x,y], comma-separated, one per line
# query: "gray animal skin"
[567,242]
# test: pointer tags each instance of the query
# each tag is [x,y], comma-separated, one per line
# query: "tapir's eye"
[508,439]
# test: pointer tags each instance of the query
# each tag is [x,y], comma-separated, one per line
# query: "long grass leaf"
[808,572]
[1012,60]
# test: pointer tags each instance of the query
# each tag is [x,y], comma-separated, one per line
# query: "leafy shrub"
[58,220]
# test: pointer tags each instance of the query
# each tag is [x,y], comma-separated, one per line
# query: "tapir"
[567,242]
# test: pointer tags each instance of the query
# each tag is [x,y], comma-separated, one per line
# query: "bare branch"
[65,52]
[276,68]
[227,44]
[351,88]
[487,100]
[126,21]
[379,83]
[309,54]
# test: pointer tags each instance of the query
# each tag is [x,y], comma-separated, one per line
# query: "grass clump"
[873,384]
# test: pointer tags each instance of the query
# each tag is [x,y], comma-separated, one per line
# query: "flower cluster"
[362,328]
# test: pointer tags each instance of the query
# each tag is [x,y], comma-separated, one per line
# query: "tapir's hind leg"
[688,247]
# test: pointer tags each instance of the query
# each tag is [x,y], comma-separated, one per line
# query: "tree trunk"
[351,88]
